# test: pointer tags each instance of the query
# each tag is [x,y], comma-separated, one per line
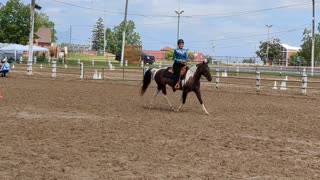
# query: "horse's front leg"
[183,99]
[198,93]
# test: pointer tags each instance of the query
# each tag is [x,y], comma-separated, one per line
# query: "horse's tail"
[146,81]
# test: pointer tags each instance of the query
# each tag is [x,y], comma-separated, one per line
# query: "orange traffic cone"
[1,94]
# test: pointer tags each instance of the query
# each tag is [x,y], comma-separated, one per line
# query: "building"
[44,37]
[158,54]
[198,57]
[287,51]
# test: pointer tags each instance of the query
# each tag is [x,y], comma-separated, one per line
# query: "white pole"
[81,71]
[258,78]
[313,38]
[54,69]
[268,44]
[304,83]
[217,78]
[178,31]
[29,67]
[124,34]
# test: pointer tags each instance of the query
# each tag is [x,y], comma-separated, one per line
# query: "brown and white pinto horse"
[191,82]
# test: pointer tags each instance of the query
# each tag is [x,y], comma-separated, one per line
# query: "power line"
[111,12]
[168,43]
[232,14]
[243,45]
[251,36]
[223,15]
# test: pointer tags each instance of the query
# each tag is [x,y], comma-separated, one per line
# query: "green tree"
[274,51]
[114,38]
[250,61]
[111,41]
[15,18]
[305,53]
[169,54]
[209,58]
[190,56]
[98,35]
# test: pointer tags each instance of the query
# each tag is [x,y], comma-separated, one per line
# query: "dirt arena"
[83,129]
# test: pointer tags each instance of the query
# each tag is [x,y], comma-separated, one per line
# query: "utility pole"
[268,44]
[212,52]
[178,13]
[104,30]
[33,6]
[124,33]
[70,38]
[313,38]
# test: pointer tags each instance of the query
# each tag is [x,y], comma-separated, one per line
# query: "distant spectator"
[5,68]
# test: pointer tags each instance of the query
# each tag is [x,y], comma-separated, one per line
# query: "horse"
[191,83]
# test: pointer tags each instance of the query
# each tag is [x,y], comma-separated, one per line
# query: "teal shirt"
[180,54]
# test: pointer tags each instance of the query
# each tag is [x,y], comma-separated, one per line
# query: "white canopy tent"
[37,48]
[20,48]
[15,48]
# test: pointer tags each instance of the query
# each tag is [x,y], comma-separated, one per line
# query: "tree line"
[302,57]
[114,36]
[15,23]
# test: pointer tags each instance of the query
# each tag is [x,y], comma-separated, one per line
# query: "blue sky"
[204,23]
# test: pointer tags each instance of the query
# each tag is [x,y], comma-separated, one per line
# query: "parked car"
[147,58]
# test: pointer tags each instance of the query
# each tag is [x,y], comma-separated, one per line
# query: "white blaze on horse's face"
[190,74]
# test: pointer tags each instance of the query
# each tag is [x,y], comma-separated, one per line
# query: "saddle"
[168,73]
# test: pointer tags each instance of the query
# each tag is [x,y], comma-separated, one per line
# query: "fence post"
[304,83]
[102,73]
[217,78]
[81,71]
[54,69]
[258,79]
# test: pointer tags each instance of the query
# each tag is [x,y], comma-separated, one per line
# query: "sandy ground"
[73,129]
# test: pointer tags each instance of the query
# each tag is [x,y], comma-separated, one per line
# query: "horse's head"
[205,70]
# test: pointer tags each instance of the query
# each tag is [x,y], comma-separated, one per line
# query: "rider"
[180,57]
[5,67]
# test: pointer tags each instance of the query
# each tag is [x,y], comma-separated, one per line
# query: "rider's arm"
[185,56]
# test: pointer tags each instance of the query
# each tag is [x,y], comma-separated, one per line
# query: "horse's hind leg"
[155,94]
[164,93]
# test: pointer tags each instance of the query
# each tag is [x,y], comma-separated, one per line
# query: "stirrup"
[177,86]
